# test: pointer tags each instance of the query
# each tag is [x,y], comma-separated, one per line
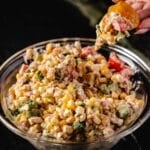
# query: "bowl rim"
[117,135]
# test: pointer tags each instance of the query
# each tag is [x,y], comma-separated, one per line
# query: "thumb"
[144,26]
[145,23]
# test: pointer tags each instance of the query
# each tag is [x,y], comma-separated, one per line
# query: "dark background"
[25,23]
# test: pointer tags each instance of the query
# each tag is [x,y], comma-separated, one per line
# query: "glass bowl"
[141,78]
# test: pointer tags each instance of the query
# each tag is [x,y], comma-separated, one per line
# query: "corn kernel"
[70,119]
[21,118]
[54,121]
[105,70]
[56,51]
[114,95]
[55,62]
[89,62]
[67,129]
[48,48]
[47,100]
[92,101]
[18,76]
[71,105]
[140,101]
[123,95]
[62,122]
[67,97]
[70,87]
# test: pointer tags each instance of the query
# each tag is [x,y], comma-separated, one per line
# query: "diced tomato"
[87,51]
[115,63]
[23,68]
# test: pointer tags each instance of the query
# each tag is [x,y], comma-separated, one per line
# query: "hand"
[143,9]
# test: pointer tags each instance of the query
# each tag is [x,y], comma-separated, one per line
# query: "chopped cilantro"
[34,112]
[40,75]
[78,126]
[15,112]
[113,86]
[32,105]
[104,89]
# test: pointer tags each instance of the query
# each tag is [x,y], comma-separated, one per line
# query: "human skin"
[143,9]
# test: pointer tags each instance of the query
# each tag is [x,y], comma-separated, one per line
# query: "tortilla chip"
[126,11]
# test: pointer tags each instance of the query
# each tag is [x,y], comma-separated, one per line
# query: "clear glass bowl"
[141,79]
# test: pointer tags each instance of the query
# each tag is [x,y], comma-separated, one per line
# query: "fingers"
[144,13]
[130,2]
[138,5]
[143,9]
[141,31]
[145,23]
[146,1]
[144,26]
[147,5]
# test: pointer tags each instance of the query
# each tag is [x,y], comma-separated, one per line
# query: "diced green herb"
[104,89]
[78,126]
[15,112]
[32,105]
[113,87]
[40,75]
[34,112]
[123,111]
[33,108]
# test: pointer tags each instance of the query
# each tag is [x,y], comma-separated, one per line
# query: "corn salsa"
[72,93]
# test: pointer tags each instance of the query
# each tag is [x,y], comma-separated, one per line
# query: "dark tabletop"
[25,23]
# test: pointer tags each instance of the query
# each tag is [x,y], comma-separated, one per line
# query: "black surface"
[24,23]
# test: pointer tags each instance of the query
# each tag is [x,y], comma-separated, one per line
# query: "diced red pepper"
[115,63]
[87,51]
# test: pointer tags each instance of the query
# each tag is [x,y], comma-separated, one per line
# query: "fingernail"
[141,31]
